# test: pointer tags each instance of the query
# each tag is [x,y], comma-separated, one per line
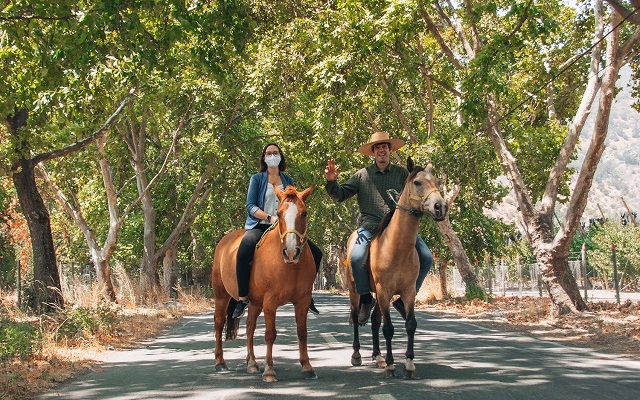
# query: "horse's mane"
[387,218]
[383,223]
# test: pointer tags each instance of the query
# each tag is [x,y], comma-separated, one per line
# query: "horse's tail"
[232,324]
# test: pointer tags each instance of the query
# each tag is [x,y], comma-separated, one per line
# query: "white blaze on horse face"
[290,240]
[432,200]
[426,190]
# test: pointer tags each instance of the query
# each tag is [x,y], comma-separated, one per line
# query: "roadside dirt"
[607,327]
[57,362]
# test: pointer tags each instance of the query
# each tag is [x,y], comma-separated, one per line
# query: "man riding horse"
[370,184]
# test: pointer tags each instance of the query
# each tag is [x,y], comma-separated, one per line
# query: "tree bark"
[443,278]
[170,271]
[458,254]
[47,291]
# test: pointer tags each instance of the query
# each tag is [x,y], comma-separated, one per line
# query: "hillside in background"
[618,174]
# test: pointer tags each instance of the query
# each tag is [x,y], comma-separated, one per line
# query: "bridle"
[421,199]
[302,236]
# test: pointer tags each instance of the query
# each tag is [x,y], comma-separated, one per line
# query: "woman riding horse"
[283,271]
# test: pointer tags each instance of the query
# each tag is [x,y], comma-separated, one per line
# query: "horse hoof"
[222,368]
[269,378]
[382,363]
[389,373]
[309,375]
[356,361]
[252,369]
[409,374]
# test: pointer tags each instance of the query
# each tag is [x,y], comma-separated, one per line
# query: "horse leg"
[252,318]
[301,324]
[356,358]
[269,374]
[387,331]
[376,321]
[219,320]
[410,325]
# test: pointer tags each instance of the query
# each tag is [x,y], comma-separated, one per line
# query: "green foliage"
[84,321]
[473,292]
[18,339]
[8,263]
[627,242]
[314,78]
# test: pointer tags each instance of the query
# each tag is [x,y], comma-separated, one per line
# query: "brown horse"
[282,271]
[394,265]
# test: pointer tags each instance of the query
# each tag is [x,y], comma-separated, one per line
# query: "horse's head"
[292,221]
[424,195]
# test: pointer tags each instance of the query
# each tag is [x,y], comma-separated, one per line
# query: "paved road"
[454,360]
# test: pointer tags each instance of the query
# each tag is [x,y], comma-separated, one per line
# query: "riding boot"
[240,307]
[366,306]
[312,307]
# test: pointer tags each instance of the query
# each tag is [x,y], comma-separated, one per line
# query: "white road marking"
[383,396]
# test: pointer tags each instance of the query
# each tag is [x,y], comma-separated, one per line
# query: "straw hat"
[380,137]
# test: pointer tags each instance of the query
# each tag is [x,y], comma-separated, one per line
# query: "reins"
[392,193]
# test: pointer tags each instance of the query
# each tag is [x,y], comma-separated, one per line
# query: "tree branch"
[83,143]
[454,23]
[575,128]
[439,39]
[631,16]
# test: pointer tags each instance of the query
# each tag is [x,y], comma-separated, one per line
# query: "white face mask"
[272,160]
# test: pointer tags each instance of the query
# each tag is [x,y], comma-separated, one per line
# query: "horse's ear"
[429,167]
[305,193]
[279,193]
[410,164]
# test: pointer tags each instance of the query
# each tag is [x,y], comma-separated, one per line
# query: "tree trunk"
[331,267]
[443,278]
[458,254]
[103,268]
[149,280]
[558,280]
[170,271]
[47,291]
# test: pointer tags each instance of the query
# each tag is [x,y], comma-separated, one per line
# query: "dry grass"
[61,356]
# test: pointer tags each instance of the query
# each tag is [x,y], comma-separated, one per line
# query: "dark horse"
[394,265]
[282,271]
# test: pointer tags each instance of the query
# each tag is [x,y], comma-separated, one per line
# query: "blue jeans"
[360,253]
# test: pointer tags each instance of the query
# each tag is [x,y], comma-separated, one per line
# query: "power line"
[563,70]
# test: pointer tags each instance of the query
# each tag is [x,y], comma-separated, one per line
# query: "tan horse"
[394,265]
[282,271]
